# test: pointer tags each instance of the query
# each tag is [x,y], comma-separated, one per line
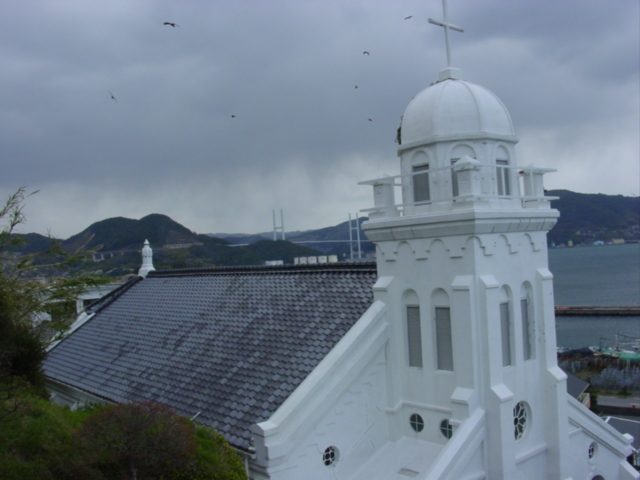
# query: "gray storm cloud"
[252,105]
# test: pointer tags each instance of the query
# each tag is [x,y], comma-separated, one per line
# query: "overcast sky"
[301,138]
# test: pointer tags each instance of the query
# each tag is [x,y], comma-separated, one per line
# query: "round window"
[446,429]
[330,456]
[416,421]
[520,418]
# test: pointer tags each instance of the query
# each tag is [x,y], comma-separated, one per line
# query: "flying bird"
[370,120]
[407,18]
[356,86]
[366,53]
[174,25]
[112,97]
[233,116]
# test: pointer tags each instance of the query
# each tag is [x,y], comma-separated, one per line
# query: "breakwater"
[605,311]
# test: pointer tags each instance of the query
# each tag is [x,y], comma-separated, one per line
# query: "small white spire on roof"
[449,72]
[147,260]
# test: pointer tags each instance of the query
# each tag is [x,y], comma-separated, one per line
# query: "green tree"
[37,297]
[49,442]
[138,441]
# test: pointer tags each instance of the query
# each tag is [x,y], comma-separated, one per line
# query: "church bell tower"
[463,270]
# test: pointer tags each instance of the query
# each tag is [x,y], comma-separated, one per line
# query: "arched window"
[505,328]
[502,172]
[528,331]
[414,330]
[414,336]
[504,187]
[420,178]
[443,334]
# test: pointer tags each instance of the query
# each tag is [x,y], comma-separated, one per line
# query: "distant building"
[271,263]
[178,246]
[93,294]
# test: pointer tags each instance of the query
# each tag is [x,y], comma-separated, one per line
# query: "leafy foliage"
[48,442]
[38,441]
[34,310]
[21,355]
[138,440]
[30,243]
[215,459]
[30,299]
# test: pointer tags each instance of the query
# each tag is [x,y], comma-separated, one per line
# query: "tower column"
[147,260]
[555,382]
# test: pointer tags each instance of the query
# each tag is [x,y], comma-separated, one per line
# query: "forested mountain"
[124,233]
[117,243]
[174,246]
[587,217]
[32,243]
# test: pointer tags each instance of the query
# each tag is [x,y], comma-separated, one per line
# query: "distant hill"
[119,241]
[584,219]
[587,217]
[33,243]
[329,240]
[121,233]
[335,240]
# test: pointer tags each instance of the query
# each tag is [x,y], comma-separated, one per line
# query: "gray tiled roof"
[575,385]
[231,343]
[627,425]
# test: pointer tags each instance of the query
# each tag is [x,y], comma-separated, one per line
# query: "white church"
[436,363]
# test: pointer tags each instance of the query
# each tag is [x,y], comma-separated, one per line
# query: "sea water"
[597,275]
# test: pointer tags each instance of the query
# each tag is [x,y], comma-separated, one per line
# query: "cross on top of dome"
[449,72]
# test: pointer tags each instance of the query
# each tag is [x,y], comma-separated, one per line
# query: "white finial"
[147,260]
[446,26]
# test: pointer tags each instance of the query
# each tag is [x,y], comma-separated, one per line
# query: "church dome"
[457,108]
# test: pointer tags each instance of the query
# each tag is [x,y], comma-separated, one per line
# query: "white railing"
[466,181]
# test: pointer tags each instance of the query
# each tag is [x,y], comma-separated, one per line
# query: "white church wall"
[595,447]
[523,380]
[341,405]
[514,262]
[532,464]
[426,388]
[355,425]
[68,396]
[432,400]
[463,457]
[416,390]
